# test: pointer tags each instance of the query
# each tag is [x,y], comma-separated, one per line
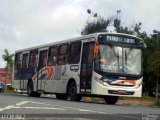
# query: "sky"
[28,23]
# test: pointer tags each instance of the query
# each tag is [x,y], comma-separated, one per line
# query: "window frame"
[63,57]
[77,53]
[18,60]
[50,57]
[35,58]
[42,62]
[27,60]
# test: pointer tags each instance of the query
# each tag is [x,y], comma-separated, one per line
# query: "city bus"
[106,65]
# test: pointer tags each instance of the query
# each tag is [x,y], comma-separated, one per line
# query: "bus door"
[24,69]
[86,68]
[43,54]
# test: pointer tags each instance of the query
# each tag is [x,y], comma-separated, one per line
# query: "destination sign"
[120,39]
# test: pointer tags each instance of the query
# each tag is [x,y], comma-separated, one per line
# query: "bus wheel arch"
[30,89]
[72,90]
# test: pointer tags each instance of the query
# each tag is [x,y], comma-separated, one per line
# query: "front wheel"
[30,91]
[73,95]
[111,99]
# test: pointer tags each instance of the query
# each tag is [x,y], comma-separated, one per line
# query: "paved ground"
[48,107]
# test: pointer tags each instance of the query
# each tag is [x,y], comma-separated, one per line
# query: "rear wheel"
[73,95]
[62,96]
[111,99]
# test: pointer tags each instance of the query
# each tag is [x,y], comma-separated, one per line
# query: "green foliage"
[100,25]
[157,103]
[10,89]
[153,62]
[8,58]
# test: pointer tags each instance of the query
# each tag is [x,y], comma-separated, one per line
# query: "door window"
[42,58]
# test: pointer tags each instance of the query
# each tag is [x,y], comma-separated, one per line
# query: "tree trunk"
[6,78]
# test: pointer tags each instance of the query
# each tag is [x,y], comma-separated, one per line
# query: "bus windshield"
[119,60]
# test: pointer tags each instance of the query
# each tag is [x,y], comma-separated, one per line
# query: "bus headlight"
[105,84]
[138,85]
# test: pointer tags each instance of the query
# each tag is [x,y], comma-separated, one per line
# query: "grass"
[142,101]
[143,98]
[157,103]
[93,99]
[10,89]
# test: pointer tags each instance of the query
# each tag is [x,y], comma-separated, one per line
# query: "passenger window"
[42,58]
[17,61]
[33,58]
[63,51]
[74,53]
[52,56]
[25,61]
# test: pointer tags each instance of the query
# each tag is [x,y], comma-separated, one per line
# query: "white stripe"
[12,106]
[85,110]
[21,103]
[6,108]
[46,108]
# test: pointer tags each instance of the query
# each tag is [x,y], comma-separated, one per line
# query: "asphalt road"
[48,107]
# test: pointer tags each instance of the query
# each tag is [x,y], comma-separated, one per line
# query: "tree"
[134,29]
[9,59]
[99,24]
[154,62]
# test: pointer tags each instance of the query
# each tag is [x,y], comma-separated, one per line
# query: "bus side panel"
[61,76]
[51,84]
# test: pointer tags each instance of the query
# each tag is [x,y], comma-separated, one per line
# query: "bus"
[106,65]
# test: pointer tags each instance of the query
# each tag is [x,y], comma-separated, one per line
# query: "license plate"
[121,91]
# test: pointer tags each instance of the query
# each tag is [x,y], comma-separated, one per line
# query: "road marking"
[6,108]
[101,112]
[46,108]
[2,109]
[125,116]
[17,106]
[68,107]
[85,110]
[41,103]
[52,107]
[13,106]
[21,103]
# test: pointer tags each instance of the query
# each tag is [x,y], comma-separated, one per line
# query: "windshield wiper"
[126,55]
[116,53]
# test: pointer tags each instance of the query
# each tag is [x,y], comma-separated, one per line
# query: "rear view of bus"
[118,67]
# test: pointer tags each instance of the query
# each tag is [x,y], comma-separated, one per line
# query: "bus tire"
[30,91]
[73,92]
[61,96]
[111,99]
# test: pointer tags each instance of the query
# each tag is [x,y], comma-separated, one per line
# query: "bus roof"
[84,37]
